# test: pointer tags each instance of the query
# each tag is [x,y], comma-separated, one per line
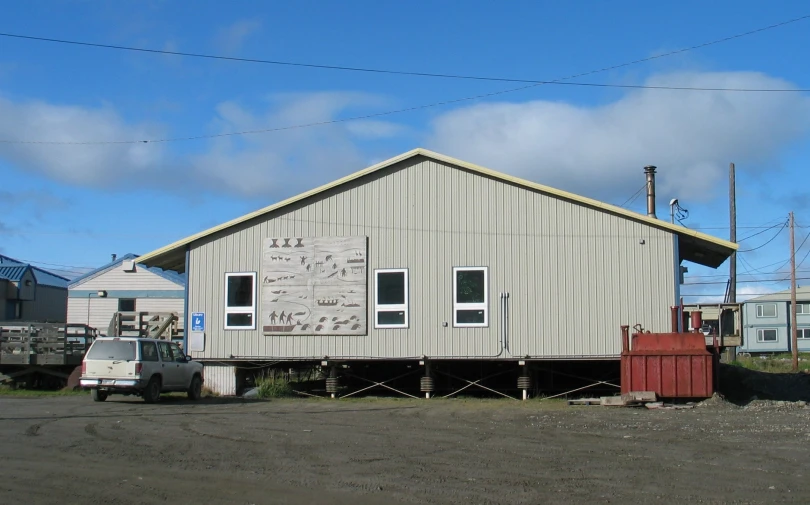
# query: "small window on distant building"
[804,333]
[391,309]
[803,308]
[240,301]
[126,305]
[766,310]
[470,297]
[767,335]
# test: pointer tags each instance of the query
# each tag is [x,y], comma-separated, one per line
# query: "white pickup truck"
[139,366]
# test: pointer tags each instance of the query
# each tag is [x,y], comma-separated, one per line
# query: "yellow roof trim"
[453,161]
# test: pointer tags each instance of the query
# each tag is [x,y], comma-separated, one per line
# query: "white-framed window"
[240,301]
[766,310]
[391,298]
[470,297]
[767,335]
[803,308]
[804,333]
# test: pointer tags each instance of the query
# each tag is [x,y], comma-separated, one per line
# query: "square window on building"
[470,297]
[767,335]
[126,305]
[804,333]
[803,308]
[240,301]
[391,298]
[766,310]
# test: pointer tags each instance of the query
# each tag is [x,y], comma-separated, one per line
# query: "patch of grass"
[774,363]
[38,393]
[269,386]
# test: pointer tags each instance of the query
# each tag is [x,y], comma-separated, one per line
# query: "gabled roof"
[43,277]
[13,273]
[174,277]
[694,246]
[802,295]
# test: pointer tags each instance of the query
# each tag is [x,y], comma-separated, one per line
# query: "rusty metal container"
[674,365]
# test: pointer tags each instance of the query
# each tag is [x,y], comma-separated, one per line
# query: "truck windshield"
[112,349]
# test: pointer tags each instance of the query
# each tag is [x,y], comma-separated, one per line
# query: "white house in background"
[767,322]
[124,286]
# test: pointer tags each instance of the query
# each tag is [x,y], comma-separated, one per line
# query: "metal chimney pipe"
[114,256]
[649,171]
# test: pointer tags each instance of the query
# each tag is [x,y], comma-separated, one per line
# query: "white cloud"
[288,161]
[86,165]
[231,38]
[262,164]
[600,151]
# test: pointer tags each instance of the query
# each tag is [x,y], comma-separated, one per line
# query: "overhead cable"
[366,116]
[781,228]
[430,74]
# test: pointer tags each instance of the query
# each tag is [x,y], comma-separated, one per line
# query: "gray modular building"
[424,256]
[767,325]
[31,294]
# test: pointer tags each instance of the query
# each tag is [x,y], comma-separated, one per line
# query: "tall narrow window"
[470,297]
[240,301]
[391,297]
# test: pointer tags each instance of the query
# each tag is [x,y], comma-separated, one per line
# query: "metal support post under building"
[426,384]
[524,382]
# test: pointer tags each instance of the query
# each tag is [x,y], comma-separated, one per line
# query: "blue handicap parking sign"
[198,321]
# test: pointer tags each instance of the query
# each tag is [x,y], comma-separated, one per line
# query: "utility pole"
[731,354]
[794,332]
[732,199]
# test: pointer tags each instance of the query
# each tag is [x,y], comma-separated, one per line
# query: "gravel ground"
[372,451]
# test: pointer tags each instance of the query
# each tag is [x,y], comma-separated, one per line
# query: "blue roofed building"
[124,286]
[31,294]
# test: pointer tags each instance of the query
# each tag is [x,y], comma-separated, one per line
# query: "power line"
[758,233]
[698,295]
[716,276]
[367,116]
[633,196]
[766,281]
[428,74]
[766,243]
[32,262]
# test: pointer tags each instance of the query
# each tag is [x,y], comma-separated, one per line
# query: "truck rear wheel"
[98,395]
[152,392]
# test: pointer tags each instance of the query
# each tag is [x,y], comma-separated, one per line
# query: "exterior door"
[171,369]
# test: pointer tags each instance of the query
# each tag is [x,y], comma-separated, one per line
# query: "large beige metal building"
[428,257]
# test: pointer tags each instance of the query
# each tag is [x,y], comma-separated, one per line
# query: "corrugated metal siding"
[49,305]
[117,278]
[574,274]
[220,379]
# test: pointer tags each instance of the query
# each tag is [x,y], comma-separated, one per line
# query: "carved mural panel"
[314,286]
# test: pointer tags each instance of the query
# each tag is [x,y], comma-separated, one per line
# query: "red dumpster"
[674,365]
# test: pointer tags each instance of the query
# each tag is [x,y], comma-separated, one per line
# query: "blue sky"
[74,205]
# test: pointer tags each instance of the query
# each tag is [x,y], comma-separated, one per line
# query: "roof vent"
[129,265]
[650,172]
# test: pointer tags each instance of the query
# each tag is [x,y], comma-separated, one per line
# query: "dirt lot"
[71,450]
